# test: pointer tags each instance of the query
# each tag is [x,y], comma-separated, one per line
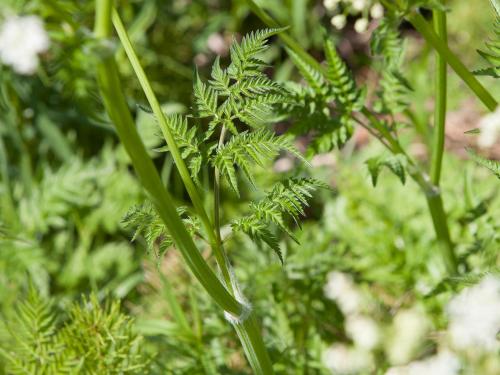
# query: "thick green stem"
[451,59]
[435,201]
[217,188]
[431,192]
[440,101]
[249,334]
[116,106]
[440,222]
[172,146]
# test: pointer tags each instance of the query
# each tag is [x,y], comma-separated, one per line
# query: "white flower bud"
[361,25]
[377,11]
[338,21]
[330,4]
[359,5]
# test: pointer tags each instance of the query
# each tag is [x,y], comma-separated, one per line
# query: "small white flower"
[330,4]
[341,289]
[474,316]
[377,11]
[363,331]
[359,5]
[361,25]
[21,40]
[444,363]
[342,360]
[408,331]
[490,129]
[339,21]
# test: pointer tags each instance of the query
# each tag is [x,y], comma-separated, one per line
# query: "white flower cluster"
[362,329]
[444,363]
[341,288]
[22,39]
[474,323]
[407,333]
[342,8]
[474,316]
[490,129]
[343,360]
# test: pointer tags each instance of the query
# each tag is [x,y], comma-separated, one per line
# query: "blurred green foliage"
[66,186]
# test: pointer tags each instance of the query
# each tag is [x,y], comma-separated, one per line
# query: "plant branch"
[117,109]
[172,146]
[422,26]
[244,322]
[431,192]
[439,19]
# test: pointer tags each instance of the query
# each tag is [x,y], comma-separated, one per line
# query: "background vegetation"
[85,289]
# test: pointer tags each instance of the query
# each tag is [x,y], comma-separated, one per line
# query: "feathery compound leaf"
[393,92]
[220,79]
[247,94]
[187,141]
[205,98]
[344,86]
[149,225]
[258,110]
[395,163]
[492,54]
[286,199]
[35,347]
[259,232]
[312,115]
[246,149]
[313,77]
[243,55]
[92,341]
[489,164]
[259,84]
[389,47]
[387,43]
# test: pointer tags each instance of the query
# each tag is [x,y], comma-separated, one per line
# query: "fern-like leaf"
[493,166]
[249,148]
[387,45]
[147,223]
[313,77]
[344,86]
[187,141]
[492,52]
[244,61]
[393,92]
[205,98]
[395,163]
[286,199]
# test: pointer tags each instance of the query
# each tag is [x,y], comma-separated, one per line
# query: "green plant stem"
[251,339]
[432,193]
[440,101]
[116,106]
[440,222]
[172,146]
[217,194]
[422,26]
